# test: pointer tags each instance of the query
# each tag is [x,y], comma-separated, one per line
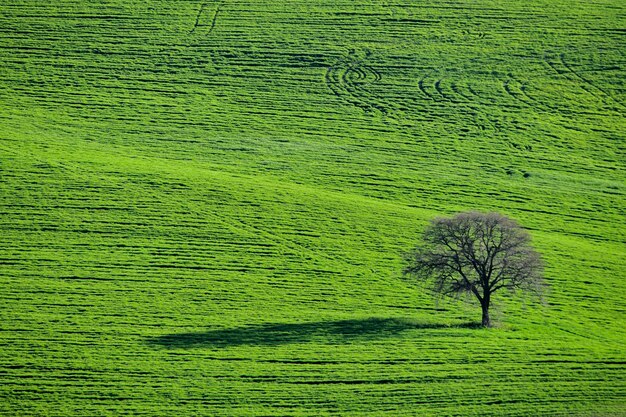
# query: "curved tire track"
[202,12]
[349,78]
[589,83]
[562,68]
[513,88]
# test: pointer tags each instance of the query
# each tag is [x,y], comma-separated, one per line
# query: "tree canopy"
[477,253]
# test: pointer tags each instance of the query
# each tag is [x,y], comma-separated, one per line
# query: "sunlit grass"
[204,206]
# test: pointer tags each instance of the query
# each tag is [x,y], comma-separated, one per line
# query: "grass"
[204,206]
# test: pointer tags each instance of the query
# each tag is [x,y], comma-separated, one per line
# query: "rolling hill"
[204,205]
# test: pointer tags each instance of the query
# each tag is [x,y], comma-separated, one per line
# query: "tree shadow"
[279,334]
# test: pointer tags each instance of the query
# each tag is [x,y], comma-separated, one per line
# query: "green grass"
[204,205]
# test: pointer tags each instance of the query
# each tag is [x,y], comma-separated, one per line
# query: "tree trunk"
[485,305]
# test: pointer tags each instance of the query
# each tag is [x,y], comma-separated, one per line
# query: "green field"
[204,205]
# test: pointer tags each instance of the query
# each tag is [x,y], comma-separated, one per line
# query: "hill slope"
[204,205]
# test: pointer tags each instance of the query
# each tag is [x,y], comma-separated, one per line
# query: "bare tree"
[477,253]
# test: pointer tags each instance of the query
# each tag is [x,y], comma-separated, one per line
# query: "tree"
[477,253]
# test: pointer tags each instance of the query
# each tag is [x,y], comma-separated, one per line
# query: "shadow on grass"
[278,334]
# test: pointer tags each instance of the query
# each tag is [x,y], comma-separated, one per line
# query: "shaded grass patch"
[284,333]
